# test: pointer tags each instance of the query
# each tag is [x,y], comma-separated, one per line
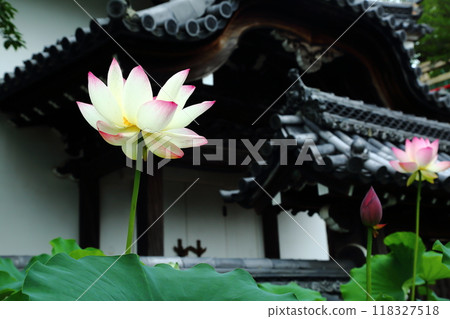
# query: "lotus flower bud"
[371,210]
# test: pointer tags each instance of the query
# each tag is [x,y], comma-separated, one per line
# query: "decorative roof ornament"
[306,53]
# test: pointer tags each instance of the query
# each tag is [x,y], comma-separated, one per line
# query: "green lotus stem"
[416,244]
[137,180]
[368,264]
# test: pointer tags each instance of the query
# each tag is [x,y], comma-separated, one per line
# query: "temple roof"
[44,89]
[355,140]
[154,34]
[355,143]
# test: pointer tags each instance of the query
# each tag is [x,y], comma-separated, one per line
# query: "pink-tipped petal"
[183,95]
[424,156]
[169,91]
[439,166]
[185,116]
[400,155]
[161,146]
[408,166]
[116,136]
[409,149]
[107,128]
[115,81]
[417,144]
[137,91]
[154,116]
[115,140]
[395,165]
[183,138]
[435,147]
[90,114]
[103,101]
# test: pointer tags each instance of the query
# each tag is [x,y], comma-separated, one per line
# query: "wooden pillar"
[89,212]
[149,212]
[270,232]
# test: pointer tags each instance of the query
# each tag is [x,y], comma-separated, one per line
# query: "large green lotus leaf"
[301,293]
[61,245]
[387,279]
[42,258]
[445,250]
[401,245]
[432,267]
[68,246]
[203,283]
[429,294]
[10,278]
[17,296]
[80,253]
[383,297]
[389,272]
[64,278]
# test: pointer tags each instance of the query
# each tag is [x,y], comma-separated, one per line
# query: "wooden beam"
[149,214]
[270,232]
[89,212]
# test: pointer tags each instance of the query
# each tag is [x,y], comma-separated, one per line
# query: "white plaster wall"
[307,243]
[115,198]
[35,205]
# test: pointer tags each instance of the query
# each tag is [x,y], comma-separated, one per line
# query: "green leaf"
[17,296]
[63,246]
[80,253]
[42,258]
[10,278]
[432,267]
[64,278]
[383,297]
[436,45]
[203,283]
[445,250]
[174,265]
[387,279]
[389,272]
[429,294]
[302,294]
[70,247]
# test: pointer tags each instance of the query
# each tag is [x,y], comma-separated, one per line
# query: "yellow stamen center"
[126,122]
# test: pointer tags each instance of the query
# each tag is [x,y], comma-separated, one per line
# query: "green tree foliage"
[11,36]
[436,45]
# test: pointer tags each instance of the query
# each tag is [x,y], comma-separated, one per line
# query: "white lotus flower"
[123,108]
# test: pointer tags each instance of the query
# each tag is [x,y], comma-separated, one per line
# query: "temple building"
[335,75]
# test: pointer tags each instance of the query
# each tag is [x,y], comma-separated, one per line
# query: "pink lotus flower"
[419,155]
[123,109]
